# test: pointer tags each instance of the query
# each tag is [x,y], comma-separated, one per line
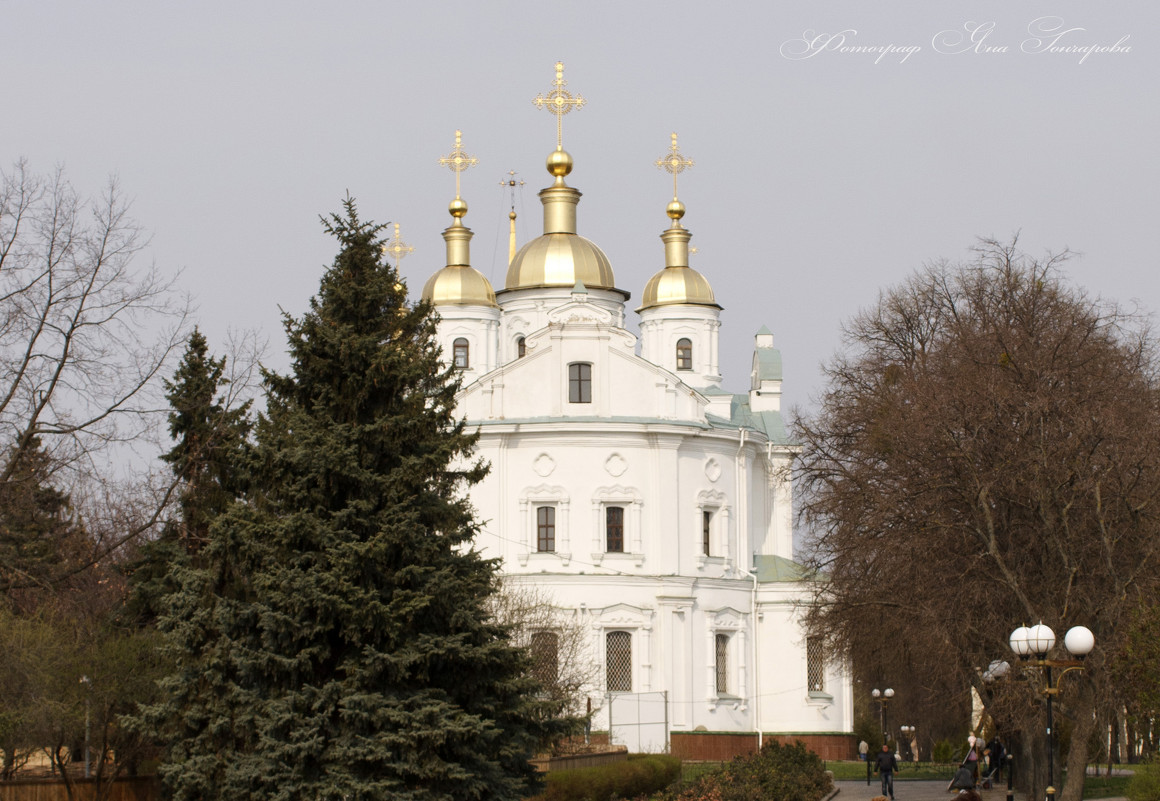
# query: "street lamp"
[883,698]
[1037,641]
[909,731]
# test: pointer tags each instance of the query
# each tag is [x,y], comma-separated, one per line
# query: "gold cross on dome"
[559,101]
[397,247]
[675,163]
[457,160]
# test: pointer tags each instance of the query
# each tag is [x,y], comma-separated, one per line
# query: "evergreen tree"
[208,458]
[210,440]
[335,643]
[40,539]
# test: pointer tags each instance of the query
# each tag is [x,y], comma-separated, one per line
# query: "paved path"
[913,791]
[919,791]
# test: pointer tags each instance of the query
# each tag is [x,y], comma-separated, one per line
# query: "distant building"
[650,504]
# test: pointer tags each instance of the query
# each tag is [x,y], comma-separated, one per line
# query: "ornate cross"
[675,163]
[559,102]
[457,160]
[511,183]
[397,247]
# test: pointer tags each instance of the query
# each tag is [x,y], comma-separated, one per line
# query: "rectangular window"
[614,528]
[722,644]
[618,656]
[706,531]
[580,383]
[546,529]
[815,665]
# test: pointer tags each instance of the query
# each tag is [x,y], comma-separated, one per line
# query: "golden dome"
[560,259]
[459,285]
[677,285]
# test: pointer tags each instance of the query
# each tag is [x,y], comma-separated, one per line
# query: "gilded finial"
[397,248]
[674,163]
[458,161]
[559,101]
[511,183]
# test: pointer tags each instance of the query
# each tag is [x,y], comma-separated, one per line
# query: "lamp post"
[85,680]
[883,698]
[911,738]
[1037,641]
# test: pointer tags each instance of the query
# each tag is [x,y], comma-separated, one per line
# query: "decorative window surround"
[630,498]
[732,624]
[720,543]
[530,499]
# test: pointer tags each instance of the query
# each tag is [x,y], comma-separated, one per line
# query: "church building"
[650,505]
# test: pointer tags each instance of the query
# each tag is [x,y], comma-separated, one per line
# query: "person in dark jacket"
[886,764]
[998,754]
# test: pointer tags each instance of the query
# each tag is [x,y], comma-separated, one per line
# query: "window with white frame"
[618,661]
[580,382]
[521,347]
[815,665]
[545,652]
[545,529]
[614,529]
[707,532]
[684,354]
[721,647]
[460,353]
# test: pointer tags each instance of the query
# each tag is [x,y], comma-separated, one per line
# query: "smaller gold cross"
[559,101]
[675,163]
[457,160]
[397,247]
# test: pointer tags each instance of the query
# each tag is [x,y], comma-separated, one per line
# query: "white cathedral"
[651,506]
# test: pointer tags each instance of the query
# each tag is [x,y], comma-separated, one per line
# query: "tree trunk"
[1077,754]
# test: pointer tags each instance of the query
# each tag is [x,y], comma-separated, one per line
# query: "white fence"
[639,721]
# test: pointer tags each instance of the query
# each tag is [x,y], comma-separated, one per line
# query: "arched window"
[580,382]
[545,648]
[521,348]
[684,354]
[459,351]
[618,659]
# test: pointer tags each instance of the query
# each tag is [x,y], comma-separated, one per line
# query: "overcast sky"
[838,145]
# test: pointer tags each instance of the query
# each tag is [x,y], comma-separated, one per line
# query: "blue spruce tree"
[332,642]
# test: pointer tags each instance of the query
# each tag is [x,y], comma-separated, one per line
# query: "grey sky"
[818,180]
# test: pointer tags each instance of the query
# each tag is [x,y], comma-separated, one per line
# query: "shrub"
[777,773]
[943,751]
[640,775]
[1145,783]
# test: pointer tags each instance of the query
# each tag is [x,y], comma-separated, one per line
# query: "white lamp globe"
[1079,641]
[1018,641]
[889,693]
[876,693]
[1041,639]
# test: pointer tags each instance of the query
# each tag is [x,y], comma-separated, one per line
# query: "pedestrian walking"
[886,765]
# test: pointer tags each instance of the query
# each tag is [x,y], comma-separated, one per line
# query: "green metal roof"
[778,569]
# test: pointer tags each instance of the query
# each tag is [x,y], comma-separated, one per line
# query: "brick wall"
[722,746]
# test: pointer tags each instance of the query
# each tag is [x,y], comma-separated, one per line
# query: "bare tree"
[83,337]
[558,647]
[987,453]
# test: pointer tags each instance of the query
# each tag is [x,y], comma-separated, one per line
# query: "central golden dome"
[560,259]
